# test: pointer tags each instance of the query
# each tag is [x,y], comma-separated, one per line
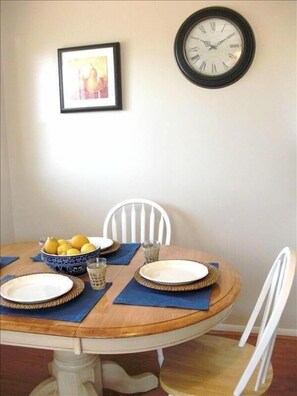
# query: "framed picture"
[90,78]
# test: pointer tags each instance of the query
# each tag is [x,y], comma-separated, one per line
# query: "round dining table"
[78,366]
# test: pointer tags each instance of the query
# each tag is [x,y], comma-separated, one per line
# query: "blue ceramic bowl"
[74,265]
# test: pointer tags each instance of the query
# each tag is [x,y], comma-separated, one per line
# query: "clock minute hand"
[220,42]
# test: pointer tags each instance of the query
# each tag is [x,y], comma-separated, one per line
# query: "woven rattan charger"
[77,289]
[113,248]
[212,277]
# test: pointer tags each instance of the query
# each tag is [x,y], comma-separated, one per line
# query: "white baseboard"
[240,329]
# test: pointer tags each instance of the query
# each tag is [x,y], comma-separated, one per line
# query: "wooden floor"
[22,368]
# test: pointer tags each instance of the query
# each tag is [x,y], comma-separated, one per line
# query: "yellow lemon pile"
[78,244]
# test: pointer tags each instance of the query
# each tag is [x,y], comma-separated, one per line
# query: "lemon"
[51,245]
[62,241]
[78,241]
[72,252]
[87,247]
[62,249]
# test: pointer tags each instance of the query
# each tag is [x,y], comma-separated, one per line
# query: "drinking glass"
[96,268]
[151,251]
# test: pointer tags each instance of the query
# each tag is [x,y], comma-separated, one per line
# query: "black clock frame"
[245,60]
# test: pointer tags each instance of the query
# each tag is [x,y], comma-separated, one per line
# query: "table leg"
[116,378]
[85,375]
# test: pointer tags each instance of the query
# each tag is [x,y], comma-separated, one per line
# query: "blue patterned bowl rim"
[54,260]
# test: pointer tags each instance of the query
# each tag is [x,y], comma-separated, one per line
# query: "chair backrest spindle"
[133,224]
[142,223]
[152,224]
[124,225]
[161,228]
[114,228]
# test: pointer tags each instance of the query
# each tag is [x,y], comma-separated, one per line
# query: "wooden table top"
[117,321]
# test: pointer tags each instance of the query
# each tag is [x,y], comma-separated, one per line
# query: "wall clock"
[214,47]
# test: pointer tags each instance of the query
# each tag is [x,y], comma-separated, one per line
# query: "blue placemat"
[136,294]
[37,258]
[4,261]
[72,311]
[123,255]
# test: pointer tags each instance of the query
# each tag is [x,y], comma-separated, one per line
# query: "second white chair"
[212,365]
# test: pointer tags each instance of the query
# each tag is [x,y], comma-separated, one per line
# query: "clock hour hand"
[220,42]
[206,43]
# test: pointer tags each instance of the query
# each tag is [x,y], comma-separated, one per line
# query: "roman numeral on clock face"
[213,25]
[195,58]
[223,27]
[202,66]
[225,66]
[202,29]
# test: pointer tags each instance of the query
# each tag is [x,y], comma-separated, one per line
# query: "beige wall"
[6,216]
[222,162]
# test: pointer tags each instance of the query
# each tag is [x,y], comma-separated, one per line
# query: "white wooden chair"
[213,365]
[137,220]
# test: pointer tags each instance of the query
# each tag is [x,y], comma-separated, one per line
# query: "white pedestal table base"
[86,375]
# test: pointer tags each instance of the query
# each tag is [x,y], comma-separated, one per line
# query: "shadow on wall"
[183,226]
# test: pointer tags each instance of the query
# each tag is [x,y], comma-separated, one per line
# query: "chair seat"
[197,367]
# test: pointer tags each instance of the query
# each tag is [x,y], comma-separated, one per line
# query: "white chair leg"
[160,356]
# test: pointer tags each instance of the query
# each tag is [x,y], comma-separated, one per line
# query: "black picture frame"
[90,78]
[235,73]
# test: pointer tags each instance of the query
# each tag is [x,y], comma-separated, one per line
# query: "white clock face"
[213,46]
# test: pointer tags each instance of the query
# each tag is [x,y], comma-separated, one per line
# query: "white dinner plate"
[173,272]
[36,288]
[101,242]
